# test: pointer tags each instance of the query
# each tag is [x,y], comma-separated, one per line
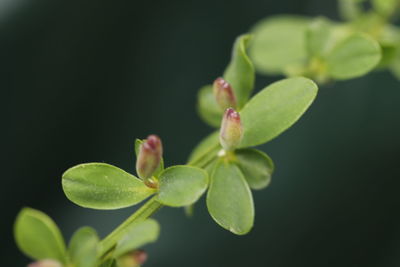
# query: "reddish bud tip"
[132,259]
[224,94]
[231,132]
[149,157]
[45,263]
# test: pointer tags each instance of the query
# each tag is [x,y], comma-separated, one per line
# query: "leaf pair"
[38,237]
[319,49]
[103,186]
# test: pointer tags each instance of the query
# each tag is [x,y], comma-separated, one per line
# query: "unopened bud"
[132,259]
[45,263]
[149,157]
[231,132]
[224,94]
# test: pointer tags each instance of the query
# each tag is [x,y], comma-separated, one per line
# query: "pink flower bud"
[231,132]
[224,94]
[132,259]
[45,263]
[149,157]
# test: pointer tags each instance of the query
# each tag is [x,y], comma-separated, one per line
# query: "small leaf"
[38,236]
[208,108]
[83,247]
[103,186]
[318,37]
[386,7]
[240,71]
[205,148]
[256,166]
[181,185]
[136,236]
[276,108]
[350,9]
[355,56]
[278,43]
[229,199]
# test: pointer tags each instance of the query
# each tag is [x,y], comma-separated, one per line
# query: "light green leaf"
[208,108]
[386,7]
[278,43]
[38,236]
[256,166]
[276,108]
[103,186]
[240,71]
[181,185]
[353,57]
[318,37]
[136,236]
[229,199]
[83,247]
[350,9]
[208,146]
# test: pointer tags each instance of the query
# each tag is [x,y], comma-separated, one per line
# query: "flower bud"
[149,157]
[224,94]
[45,263]
[132,259]
[231,132]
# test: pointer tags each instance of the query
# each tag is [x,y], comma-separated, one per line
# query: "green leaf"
[256,166]
[229,199]
[318,37]
[208,146]
[240,71]
[160,167]
[386,7]
[38,236]
[136,236]
[109,263]
[208,108]
[276,108]
[354,57]
[181,185]
[83,247]
[103,186]
[279,43]
[350,9]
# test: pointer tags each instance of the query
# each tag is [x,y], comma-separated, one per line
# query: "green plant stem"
[144,212]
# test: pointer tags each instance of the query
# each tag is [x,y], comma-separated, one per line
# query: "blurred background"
[80,80]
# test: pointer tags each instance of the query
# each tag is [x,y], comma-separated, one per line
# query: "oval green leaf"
[276,108]
[83,247]
[38,236]
[240,71]
[207,107]
[229,199]
[181,185]
[256,166]
[278,43]
[136,236]
[353,57]
[103,186]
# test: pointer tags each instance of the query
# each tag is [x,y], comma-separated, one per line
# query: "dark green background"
[81,79]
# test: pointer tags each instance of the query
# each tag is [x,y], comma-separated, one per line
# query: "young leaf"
[229,199]
[355,56]
[83,247]
[205,147]
[350,9]
[278,43]
[208,108]
[103,186]
[181,185]
[386,7]
[38,236]
[276,108]
[136,236]
[256,166]
[318,36]
[240,71]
